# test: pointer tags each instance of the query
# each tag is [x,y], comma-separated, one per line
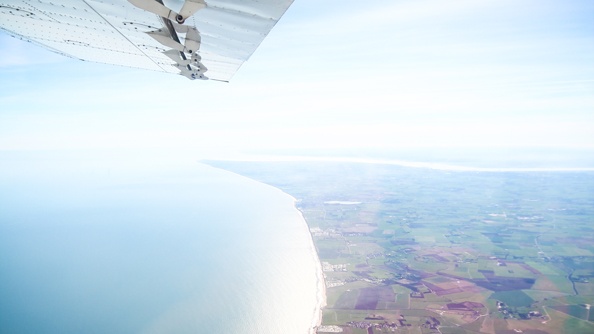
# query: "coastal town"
[412,250]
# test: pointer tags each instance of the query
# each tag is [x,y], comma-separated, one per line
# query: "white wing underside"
[115,31]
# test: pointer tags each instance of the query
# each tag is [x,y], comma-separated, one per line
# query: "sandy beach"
[321,285]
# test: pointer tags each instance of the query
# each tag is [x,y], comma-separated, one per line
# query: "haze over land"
[103,202]
[411,249]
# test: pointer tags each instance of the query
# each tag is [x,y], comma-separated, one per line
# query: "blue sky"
[332,74]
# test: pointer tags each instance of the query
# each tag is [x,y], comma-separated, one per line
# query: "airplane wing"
[200,39]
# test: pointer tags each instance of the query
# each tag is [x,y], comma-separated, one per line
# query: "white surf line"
[438,166]
[321,297]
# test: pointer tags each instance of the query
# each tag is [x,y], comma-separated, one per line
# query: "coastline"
[314,184]
[321,285]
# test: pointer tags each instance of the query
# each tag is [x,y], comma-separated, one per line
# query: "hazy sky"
[332,74]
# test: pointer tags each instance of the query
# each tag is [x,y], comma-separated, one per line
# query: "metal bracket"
[192,73]
[190,68]
[164,38]
[189,8]
[192,39]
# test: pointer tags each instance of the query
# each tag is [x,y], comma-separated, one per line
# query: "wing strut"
[191,68]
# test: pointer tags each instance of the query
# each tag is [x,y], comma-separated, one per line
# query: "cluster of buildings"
[509,314]
[334,283]
[329,329]
[378,326]
[431,323]
[334,267]
[318,232]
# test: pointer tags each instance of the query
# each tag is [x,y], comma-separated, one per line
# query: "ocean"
[125,243]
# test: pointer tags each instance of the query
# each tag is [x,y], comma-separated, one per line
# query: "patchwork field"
[429,251]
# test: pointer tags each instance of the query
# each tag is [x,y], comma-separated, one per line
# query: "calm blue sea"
[125,243]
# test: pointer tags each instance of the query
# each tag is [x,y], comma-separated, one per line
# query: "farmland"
[429,251]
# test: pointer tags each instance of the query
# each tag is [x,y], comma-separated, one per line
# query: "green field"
[516,298]
[450,245]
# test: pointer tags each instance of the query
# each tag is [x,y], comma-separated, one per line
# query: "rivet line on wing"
[116,29]
[37,42]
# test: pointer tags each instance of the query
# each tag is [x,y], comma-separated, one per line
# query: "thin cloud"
[15,53]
